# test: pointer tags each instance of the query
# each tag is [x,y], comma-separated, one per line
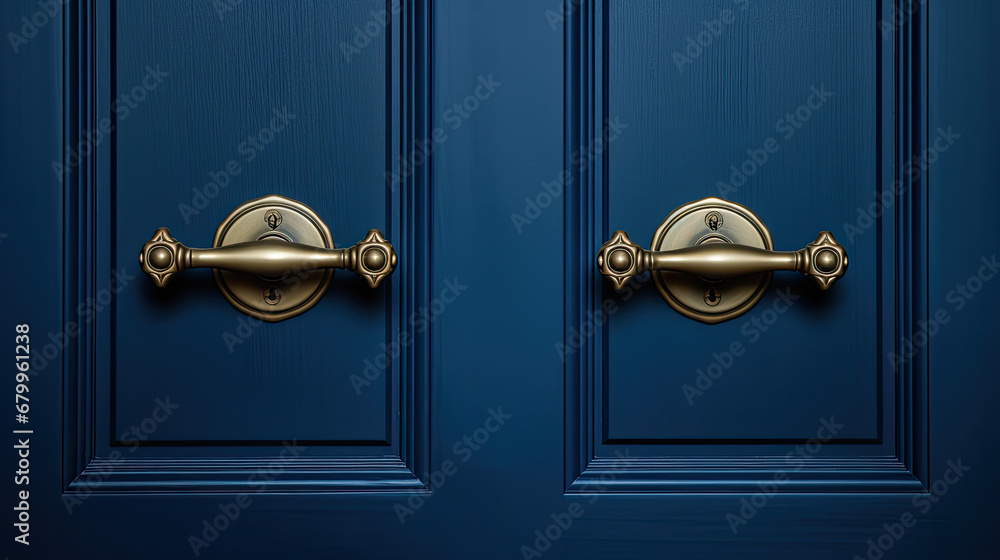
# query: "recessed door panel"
[777,108]
[244,104]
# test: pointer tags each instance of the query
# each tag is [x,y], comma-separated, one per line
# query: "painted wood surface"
[499,433]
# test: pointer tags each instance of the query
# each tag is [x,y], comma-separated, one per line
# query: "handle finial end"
[619,259]
[373,258]
[162,257]
[825,260]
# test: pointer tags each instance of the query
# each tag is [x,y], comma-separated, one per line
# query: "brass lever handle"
[824,260]
[712,260]
[373,258]
[272,258]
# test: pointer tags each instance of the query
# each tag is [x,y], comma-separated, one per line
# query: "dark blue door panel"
[172,388]
[803,130]
[496,398]
[272,107]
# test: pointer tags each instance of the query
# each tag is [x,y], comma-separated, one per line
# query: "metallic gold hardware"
[710,247]
[713,297]
[273,258]
[713,220]
[273,218]
[272,296]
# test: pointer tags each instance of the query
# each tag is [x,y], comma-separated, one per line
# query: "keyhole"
[272,218]
[713,296]
[713,220]
[272,296]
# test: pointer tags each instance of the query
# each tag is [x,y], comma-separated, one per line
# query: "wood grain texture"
[494,346]
[642,380]
[261,66]
[693,114]
[242,389]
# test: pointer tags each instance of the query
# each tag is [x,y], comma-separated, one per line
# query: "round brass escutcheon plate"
[711,220]
[274,298]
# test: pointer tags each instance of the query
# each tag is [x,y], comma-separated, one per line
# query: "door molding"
[590,462]
[89,73]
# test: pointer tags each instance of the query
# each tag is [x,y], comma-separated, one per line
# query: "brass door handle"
[163,256]
[824,260]
[273,258]
[703,245]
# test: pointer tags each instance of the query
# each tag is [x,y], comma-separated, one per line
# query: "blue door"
[411,327]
